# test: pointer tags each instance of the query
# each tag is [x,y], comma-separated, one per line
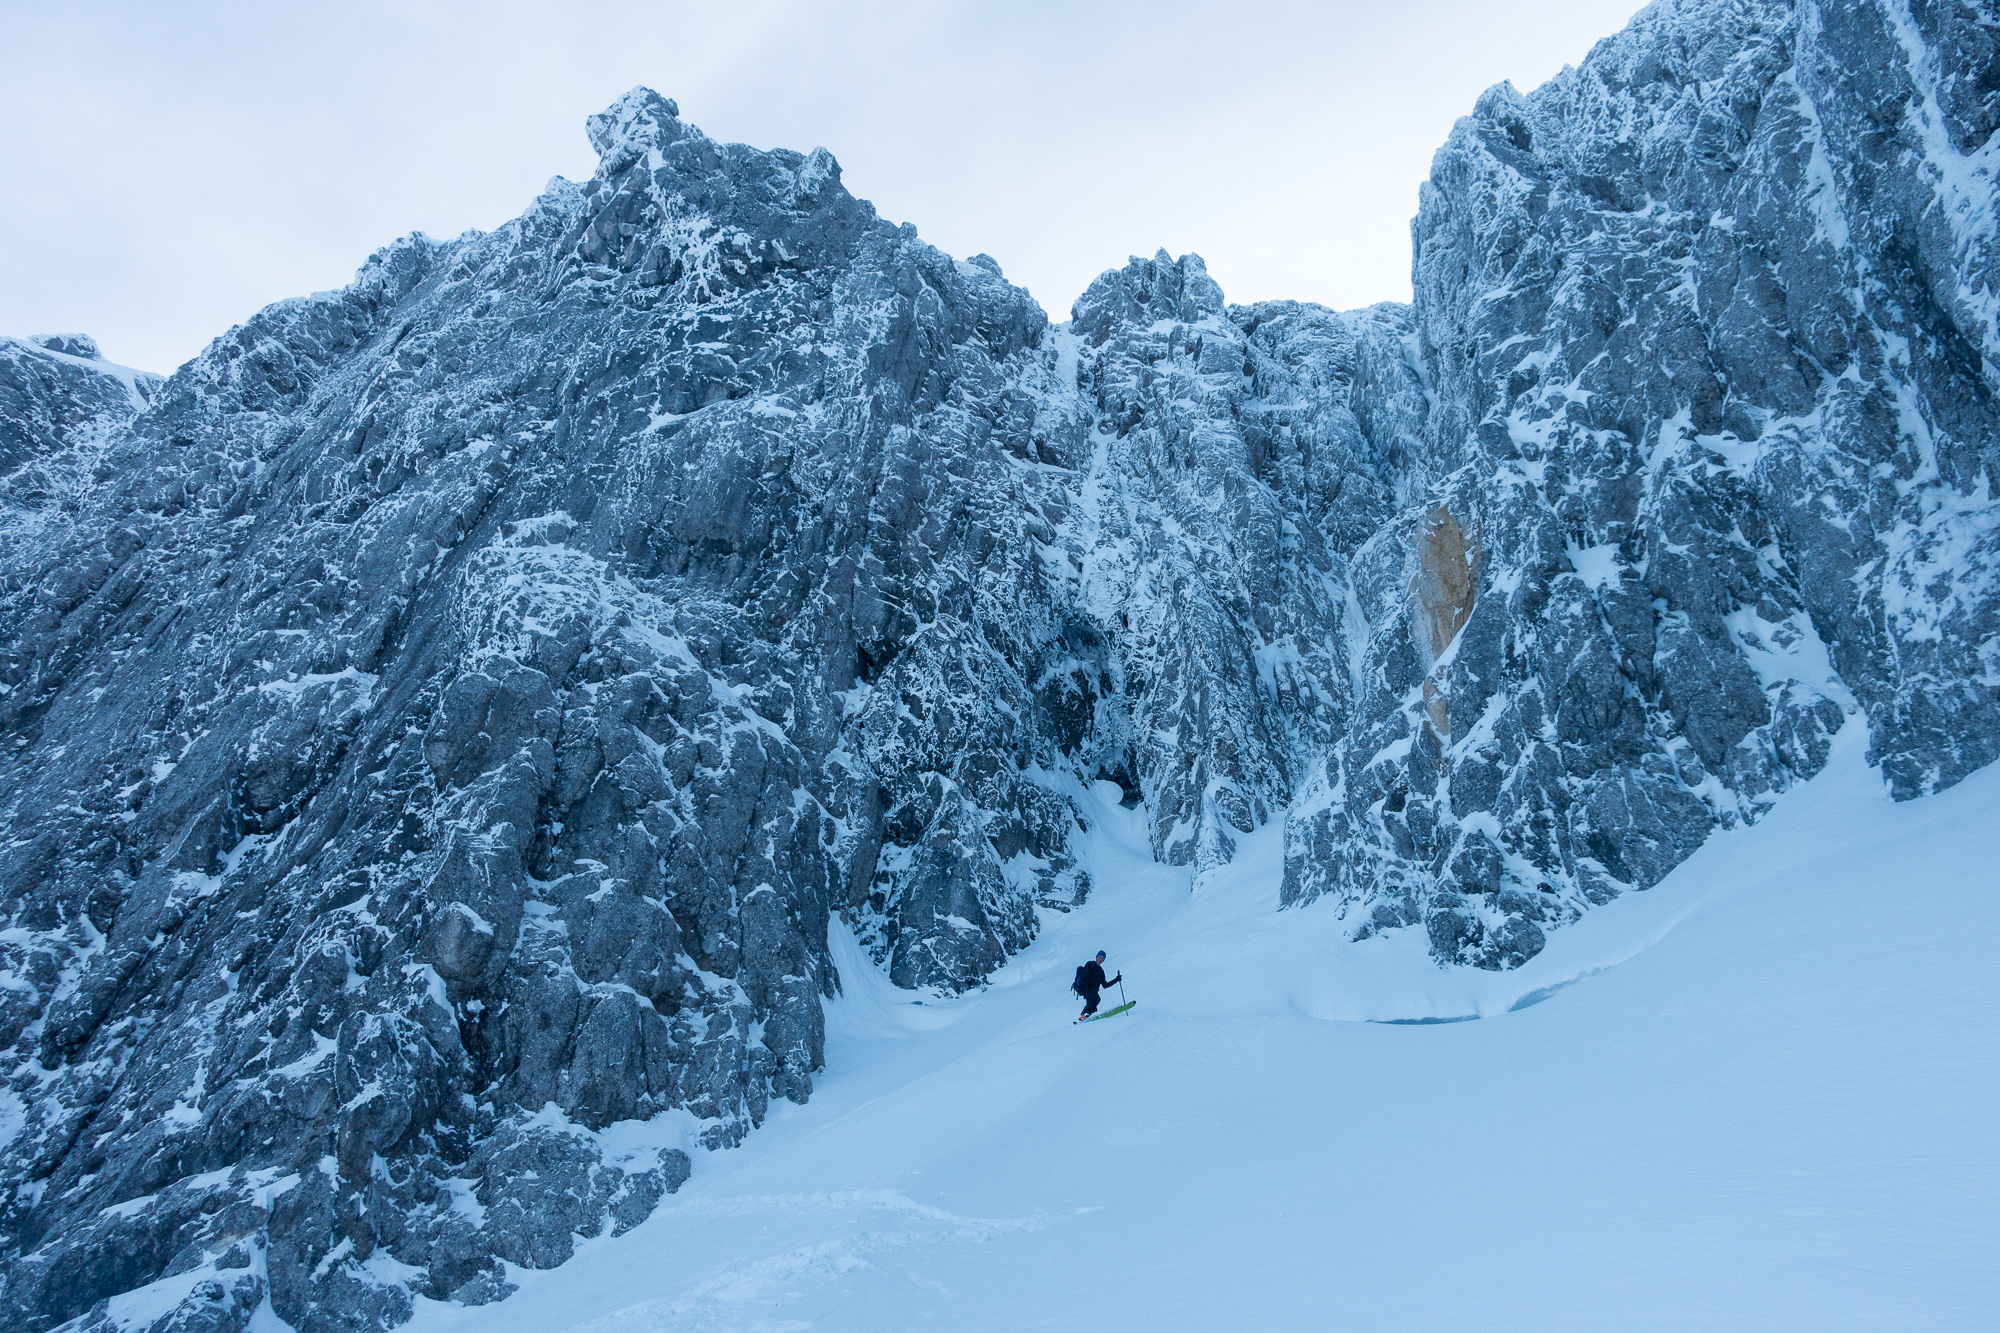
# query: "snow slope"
[1770,1103]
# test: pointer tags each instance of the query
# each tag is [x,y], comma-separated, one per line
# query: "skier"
[1089,981]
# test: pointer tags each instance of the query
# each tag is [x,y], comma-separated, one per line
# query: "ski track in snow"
[1770,1105]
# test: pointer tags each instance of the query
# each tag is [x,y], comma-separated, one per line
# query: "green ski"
[1110,1013]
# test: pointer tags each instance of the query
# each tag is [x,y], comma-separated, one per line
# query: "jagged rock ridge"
[443,725]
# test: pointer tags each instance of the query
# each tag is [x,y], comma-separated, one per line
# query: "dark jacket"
[1093,980]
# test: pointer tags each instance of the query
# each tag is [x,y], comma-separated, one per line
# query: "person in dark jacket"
[1090,981]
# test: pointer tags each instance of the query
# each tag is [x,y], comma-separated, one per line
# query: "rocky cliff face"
[60,401]
[1710,323]
[443,733]
[57,393]
[446,732]
[443,726]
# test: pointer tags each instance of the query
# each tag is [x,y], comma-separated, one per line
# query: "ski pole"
[1121,988]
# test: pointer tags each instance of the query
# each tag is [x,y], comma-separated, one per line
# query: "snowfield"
[1763,1095]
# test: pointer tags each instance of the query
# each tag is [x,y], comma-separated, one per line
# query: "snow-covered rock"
[442,724]
[56,390]
[60,401]
[1710,324]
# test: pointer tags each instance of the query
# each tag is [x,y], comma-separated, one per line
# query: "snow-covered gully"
[1768,1105]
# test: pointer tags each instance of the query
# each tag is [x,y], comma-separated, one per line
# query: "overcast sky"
[170,168]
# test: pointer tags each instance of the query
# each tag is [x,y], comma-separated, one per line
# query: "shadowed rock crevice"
[1443,594]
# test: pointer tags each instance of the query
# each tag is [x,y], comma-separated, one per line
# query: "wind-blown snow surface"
[1768,1102]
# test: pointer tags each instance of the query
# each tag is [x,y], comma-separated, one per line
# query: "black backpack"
[1077,985]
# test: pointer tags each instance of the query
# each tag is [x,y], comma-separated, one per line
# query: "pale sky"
[171,168]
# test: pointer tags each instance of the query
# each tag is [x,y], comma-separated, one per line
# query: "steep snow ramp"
[1766,1104]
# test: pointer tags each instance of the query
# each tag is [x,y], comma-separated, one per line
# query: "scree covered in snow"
[1760,1096]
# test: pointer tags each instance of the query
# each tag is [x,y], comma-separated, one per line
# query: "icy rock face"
[440,741]
[57,391]
[1230,479]
[59,399]
[1711,326]
[445,731]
